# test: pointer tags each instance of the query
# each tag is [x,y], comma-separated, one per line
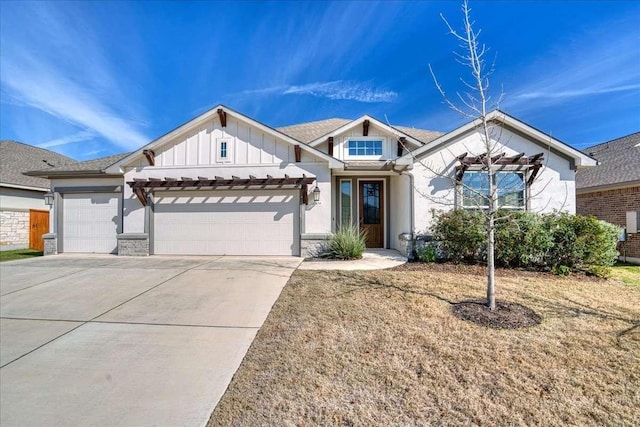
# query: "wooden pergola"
[140,186]
[533,163]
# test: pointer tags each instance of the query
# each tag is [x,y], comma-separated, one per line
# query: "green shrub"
[581,241]
[462,233]
[561,270]
[559,241]
[347,243]
[521,239]
[427,253]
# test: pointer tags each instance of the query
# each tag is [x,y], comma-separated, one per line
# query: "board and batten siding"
[250,146]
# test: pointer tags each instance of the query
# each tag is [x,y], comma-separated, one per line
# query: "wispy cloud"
[577,93]
[68,76]
[596,64]
[336,90]
[76,137]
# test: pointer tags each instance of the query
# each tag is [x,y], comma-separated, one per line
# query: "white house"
[224,183]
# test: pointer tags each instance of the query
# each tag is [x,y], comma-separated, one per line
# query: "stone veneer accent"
[313,245]
[612,206]
[50,243]
[133,244]
[14,229]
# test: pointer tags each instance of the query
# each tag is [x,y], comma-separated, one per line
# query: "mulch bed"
[507,315]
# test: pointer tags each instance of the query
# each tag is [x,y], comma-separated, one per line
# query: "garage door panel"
[227,223]
[90,222]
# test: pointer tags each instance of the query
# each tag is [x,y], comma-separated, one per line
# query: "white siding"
[390,146]
[20,199]
[251,146]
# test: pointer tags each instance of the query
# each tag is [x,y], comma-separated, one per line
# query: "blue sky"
[90,79]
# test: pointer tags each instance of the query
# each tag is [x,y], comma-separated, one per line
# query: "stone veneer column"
[50,243]
[133,244]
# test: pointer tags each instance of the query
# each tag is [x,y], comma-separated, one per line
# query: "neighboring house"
[224,183]
[611,190]
[24,217]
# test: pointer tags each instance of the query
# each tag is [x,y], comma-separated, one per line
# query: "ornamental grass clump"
[347,243]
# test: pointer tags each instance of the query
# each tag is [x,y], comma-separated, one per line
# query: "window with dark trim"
[510,186]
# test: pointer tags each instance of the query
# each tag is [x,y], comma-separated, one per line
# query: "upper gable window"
[364,148]
[224,150]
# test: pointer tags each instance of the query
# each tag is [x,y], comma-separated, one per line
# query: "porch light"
[316,194]
[48,198]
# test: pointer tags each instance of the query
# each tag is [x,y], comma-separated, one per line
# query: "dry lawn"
[382,348]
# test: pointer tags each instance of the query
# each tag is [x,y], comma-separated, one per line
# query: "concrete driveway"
[106,340]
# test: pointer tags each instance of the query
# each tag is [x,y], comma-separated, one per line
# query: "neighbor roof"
[17,158]
[95,166]
[618,163]
[308,132]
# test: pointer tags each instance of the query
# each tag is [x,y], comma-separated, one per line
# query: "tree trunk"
[491,268]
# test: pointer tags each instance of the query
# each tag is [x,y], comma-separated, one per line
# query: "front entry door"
[372,212]
[38,225]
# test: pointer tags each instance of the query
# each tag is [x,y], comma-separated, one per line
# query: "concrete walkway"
[372,259]
[107,340]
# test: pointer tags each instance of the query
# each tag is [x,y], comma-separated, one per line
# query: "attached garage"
[226,222]
[90,222]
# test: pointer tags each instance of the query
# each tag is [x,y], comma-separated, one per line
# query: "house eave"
[608,187]
[23,187]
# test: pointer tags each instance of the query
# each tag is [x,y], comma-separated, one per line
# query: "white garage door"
[90,222]
[227,222]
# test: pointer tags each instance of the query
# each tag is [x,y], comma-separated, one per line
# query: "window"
[364,147]
[224,150]
[345,202]
[510,187]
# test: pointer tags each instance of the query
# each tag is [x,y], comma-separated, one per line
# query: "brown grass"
[382,348]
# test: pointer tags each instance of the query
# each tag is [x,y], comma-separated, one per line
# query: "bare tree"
[476,103]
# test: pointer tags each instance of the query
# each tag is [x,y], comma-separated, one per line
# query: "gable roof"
[116,167]
[17,158]
[580,159]
[88,167]
[357,122]
[618,163]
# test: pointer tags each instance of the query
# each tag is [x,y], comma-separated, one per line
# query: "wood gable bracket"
[141,195]
[298,153]
[151,157]
[532,163]
[330,145]
[223,117]
[365,128]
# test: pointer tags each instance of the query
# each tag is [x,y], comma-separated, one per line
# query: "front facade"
[611,190]
[225,184]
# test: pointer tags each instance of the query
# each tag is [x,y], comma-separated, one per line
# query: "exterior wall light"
[316,194]
[48,198]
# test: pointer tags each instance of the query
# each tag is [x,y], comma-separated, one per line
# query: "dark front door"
[39,225]
[372,213]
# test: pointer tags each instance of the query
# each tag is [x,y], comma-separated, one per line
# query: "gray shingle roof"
[619,162]
[88,166]
[307,132]
[419,134]
[17,158]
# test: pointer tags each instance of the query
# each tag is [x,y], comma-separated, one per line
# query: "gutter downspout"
[411,200]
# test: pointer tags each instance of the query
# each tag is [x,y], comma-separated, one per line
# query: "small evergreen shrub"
[427,253]
[559,241]
[462,233]
[521,239]
[347,243]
